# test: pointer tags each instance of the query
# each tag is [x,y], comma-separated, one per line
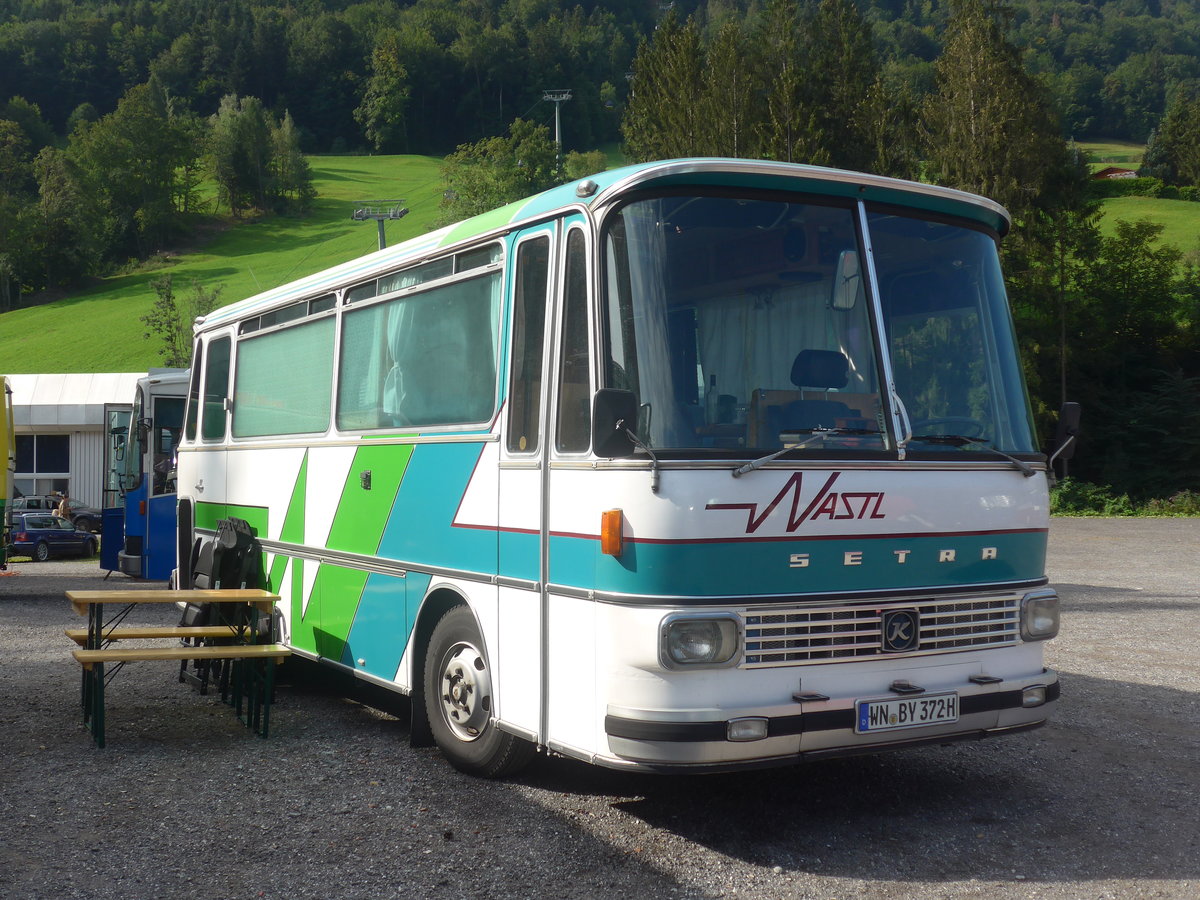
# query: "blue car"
[42,536]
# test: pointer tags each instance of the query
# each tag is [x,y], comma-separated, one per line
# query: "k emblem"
[901,630]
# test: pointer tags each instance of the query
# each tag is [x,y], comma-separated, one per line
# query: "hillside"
[100,330]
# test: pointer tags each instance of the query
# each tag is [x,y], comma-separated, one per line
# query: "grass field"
[1106,153]
[1180,218]
[100,329]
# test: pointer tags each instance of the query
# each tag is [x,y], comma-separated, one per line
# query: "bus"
[8,455]
[693,465]
[146,468]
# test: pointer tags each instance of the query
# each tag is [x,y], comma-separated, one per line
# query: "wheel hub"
[466,691]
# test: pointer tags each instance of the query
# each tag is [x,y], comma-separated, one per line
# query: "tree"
[498,170]
[129,162]
[728,106]
[840,70]
[789,131]
[291,175]
[663,117]
[1177,143]
[240,152]
[1128,338]
[385,100]
[989,128]
[170,318]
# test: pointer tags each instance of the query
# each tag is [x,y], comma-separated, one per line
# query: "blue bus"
[147,480]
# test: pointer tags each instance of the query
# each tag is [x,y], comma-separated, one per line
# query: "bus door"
[166,426]
[569,644]
[522,561]
[204,488]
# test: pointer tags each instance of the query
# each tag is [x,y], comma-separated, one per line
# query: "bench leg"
[95,708]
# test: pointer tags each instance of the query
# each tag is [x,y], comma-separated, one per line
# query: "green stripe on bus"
[368,496]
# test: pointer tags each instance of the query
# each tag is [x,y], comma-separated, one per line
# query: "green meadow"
[100,329]
[1105,153]
[1180,218]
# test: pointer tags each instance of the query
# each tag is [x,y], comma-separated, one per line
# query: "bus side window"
[574,390]
[528,337]
[216,390]
[193,403]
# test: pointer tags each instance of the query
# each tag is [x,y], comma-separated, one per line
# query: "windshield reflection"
[744,325]
[721,319]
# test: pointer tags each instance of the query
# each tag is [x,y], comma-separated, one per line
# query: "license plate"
[909,712]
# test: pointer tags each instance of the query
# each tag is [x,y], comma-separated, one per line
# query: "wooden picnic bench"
[140,632]
[251,684]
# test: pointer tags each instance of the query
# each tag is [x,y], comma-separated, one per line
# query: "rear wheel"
[41,552]
[89,548]
[459,701]
[85,523]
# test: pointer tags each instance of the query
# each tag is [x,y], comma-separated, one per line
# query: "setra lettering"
[901,557]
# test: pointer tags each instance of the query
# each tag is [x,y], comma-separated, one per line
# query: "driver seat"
[821,370]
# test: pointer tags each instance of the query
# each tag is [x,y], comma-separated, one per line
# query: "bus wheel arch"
[457,697]
[433,607]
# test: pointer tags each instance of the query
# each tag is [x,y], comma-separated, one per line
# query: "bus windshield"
[950,337]
[131,454]
[745,324]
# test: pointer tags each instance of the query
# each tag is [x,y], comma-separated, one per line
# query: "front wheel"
[459,701]
[41,552]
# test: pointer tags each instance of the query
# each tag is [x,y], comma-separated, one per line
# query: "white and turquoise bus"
[691,465]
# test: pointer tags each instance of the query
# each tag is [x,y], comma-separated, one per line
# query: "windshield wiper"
[959,440]
[813,435]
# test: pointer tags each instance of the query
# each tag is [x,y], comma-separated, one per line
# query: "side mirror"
[613,412]
[1066,433]
[847,281]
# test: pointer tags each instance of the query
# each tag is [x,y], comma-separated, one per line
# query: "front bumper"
[696,740]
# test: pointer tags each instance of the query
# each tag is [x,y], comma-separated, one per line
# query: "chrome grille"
[795,636]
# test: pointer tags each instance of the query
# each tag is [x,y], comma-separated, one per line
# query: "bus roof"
[600,189]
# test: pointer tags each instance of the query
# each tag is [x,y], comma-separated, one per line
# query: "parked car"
[43,535]
[84,517]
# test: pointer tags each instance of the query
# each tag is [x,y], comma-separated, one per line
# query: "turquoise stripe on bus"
[421,528]
[789,567]
[383,623]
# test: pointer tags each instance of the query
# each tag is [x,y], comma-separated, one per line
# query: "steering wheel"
[963,425]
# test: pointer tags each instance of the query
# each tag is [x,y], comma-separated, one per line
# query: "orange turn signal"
[612,523]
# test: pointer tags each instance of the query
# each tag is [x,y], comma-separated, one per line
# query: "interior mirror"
[613,412]
[847,281]
[1065,436]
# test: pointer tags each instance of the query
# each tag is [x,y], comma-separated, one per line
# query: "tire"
[89,548]
[85,523]
[41,552]
[458,700]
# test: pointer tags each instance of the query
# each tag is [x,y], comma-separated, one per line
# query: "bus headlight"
[1039,616]
[687,641]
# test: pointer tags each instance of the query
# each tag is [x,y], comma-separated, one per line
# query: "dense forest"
[112,115]
[466,68]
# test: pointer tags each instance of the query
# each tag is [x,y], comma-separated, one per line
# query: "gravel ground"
[185,802]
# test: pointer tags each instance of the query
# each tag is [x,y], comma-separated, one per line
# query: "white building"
[63,425]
